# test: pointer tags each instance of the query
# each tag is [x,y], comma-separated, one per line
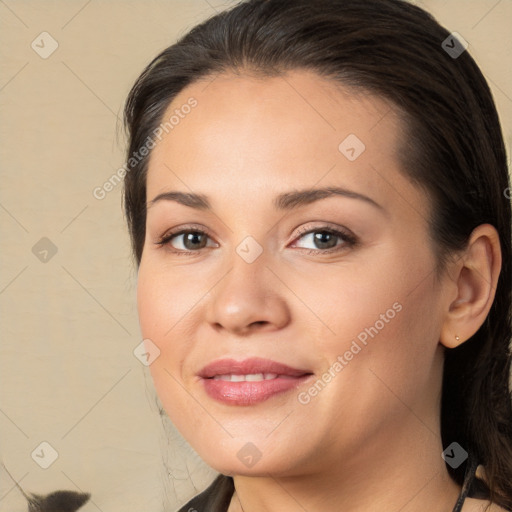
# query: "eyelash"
[348,238]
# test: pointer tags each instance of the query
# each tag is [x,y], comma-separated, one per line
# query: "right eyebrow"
[198,201]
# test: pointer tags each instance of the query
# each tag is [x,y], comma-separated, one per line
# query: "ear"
[476,277]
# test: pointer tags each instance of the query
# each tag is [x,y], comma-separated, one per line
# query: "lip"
[247,366]
[250,392]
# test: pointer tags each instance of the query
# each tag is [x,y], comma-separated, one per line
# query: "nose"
[248,298]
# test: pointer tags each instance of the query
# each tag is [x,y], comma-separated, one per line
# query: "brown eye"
[186,241]
[325,239]
[193,240]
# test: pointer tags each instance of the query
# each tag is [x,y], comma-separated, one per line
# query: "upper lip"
[249,366]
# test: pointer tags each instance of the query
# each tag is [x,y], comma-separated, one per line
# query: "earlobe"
[476,281]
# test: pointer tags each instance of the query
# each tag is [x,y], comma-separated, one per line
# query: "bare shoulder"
[473,505]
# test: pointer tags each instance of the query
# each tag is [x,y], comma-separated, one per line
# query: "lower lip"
[250,392]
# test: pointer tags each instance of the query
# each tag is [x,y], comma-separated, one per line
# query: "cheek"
[164,298]
[382,361]
[384,318]
[376,300]
[161,304]
[170,303]
[398,360]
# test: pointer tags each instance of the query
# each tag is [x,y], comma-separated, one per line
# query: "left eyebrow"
[295,199]
[285,201]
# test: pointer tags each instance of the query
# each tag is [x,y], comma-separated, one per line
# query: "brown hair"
[454,150]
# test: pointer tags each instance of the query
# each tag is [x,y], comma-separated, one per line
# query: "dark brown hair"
[454,150]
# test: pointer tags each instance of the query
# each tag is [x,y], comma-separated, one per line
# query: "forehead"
[282,109]
[253,134]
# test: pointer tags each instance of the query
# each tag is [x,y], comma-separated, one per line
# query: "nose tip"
[248,299]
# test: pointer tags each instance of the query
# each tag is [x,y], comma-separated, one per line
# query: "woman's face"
[338,285]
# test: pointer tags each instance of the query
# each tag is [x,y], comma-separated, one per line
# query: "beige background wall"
[68,320]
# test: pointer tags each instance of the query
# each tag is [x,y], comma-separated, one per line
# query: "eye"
[324,239]
[321,239]
[186,241]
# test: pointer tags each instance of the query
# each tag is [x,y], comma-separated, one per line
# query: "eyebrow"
[286,201]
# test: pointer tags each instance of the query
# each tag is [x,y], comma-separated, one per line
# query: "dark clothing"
[215,498]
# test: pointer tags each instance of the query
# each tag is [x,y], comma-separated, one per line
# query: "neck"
[408,475]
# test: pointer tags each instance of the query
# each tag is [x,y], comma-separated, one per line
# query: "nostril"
[259,322]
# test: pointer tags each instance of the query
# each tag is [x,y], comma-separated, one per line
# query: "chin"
[239,458]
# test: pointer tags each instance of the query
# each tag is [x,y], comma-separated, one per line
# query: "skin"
[371,436]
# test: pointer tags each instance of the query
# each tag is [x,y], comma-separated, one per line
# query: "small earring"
[457,338]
